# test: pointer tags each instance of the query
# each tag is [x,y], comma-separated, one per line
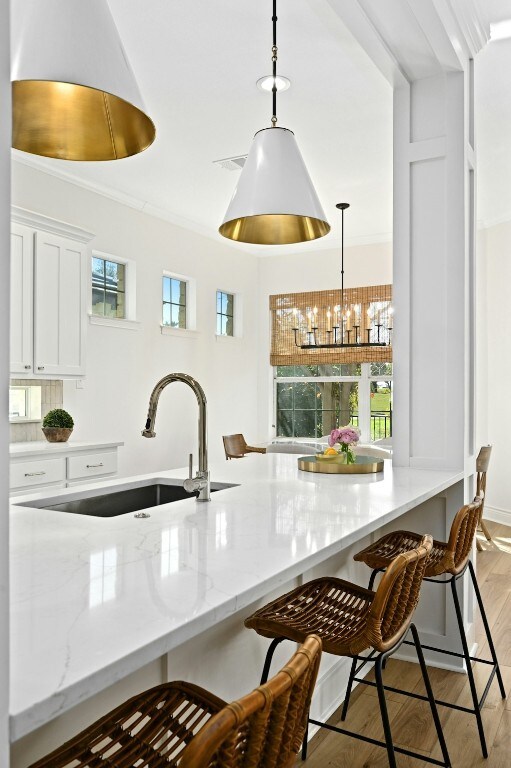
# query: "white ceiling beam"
[412,39]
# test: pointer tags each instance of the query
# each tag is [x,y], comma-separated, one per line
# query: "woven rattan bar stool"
[482,464]
[448,559]
[179,724]
[351,620]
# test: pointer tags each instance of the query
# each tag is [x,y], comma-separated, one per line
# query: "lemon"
[330,452]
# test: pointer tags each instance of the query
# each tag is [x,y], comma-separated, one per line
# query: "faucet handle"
[190,466]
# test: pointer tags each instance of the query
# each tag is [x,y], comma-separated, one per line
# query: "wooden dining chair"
[236,447]
[180,724]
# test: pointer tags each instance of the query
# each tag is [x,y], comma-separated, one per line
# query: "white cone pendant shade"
[274,202]
[74,94]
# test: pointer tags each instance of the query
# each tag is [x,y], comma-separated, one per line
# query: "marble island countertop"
[94,599]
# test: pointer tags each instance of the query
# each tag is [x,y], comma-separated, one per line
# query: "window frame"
[364,395]
[218,314]
[129,321]
[190,307]
[170,303]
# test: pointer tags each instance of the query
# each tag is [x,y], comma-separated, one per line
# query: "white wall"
[497,356]
[5,157]
[311,271]
[123,365]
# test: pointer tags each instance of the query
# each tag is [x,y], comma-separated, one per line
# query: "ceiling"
[197,65]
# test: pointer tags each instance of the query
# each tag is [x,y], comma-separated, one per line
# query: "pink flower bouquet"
[346,437]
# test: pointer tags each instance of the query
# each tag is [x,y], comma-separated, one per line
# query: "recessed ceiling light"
[500,30]
[266,83]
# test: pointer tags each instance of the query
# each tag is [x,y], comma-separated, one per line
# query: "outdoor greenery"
[312,408]
[58,418]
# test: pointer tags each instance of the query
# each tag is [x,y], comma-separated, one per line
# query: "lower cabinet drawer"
[25,474]
[91,465]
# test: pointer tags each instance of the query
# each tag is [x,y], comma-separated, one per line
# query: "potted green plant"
[57,425]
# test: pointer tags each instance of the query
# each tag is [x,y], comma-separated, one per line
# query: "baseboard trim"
[497,515]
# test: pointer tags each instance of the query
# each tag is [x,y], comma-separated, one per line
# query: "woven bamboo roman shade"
[284,351]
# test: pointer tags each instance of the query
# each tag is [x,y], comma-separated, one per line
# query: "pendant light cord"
[274,50]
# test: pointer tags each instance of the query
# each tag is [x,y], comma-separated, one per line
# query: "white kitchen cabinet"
[39,465]
[22,299]
[49,283]
[60,310]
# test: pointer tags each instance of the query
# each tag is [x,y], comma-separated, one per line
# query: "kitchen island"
[96,599]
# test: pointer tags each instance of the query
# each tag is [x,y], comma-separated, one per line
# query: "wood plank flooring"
[411,720]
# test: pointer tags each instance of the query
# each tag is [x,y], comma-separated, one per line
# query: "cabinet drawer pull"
[34,474]
[28,367]
[93,466]
[40,367]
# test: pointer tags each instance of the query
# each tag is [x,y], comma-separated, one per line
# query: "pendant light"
[274,202]
[74,95]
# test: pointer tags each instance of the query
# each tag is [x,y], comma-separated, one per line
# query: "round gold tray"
[363,465]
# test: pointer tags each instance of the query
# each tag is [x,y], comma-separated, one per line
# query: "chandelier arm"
[274,50]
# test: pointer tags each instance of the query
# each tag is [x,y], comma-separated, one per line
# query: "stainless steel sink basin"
[130,498]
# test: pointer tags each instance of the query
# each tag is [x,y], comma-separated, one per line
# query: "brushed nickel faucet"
[199,483]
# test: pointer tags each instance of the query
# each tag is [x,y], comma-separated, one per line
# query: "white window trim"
[364,395]
[129,321]
[237,317]
[191,307]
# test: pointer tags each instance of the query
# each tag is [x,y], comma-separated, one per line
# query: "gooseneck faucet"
[200,482]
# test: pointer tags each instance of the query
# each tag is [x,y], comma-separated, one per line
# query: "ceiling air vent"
[232,163]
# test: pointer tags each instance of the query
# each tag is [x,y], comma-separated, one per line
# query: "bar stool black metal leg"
[373,576]
[487,629]
[305,739]
[429,691]
[470,672]
[384,713]
[268,659]
[348,690]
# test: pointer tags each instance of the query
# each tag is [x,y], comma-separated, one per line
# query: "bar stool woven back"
[482,464]
[180,724]
[397,596]
[266,728]
[446,557]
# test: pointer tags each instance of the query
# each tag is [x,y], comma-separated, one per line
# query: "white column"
[433,273]
[5,208]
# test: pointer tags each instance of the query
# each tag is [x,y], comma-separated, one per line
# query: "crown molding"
[138,204]
[47,224]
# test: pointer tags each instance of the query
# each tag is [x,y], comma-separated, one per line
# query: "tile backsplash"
[51,397]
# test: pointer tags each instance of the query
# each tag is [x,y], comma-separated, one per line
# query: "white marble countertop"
[44,448]
[94,599]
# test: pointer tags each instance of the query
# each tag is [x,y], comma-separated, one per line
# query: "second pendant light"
[275,202]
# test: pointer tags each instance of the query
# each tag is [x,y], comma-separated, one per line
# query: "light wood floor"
[411,720]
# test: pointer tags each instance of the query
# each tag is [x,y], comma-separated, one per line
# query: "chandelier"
[345,325]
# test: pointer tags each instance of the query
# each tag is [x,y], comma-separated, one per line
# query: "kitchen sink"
[131,498]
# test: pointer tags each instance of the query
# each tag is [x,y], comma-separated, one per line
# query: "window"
[24,403]
[108,288]
[224,314]
[311,400]
[174,302]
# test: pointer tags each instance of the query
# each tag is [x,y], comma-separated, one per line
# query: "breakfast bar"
[94,599]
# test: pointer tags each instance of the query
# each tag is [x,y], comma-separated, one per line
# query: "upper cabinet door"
[60,279]
[22,286]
